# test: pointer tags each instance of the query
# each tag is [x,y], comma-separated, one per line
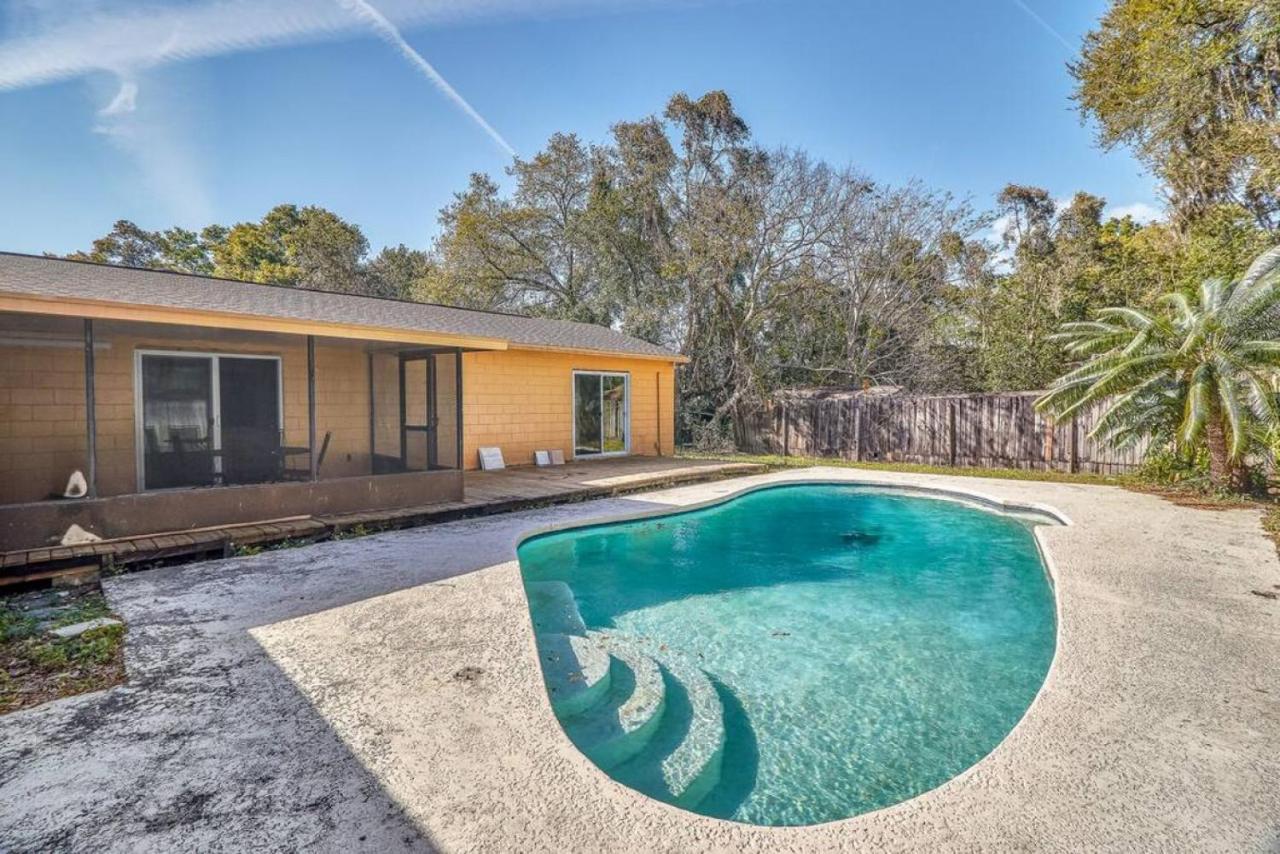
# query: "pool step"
[613,731]
[553,608]
[681,764]
[576,670]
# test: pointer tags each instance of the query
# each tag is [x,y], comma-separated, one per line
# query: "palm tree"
[1201,367]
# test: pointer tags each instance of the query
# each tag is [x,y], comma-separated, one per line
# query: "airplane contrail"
[391,34]
[1045,25]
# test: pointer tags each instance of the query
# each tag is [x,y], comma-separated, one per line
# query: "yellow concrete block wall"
[522,401]
[41,419]
[518,400]
[42,424]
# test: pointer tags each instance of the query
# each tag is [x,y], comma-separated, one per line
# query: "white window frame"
[215,357]
[626,411]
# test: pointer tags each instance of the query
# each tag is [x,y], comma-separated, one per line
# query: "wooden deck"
[486,493]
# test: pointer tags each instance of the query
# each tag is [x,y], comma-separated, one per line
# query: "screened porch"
[201,426]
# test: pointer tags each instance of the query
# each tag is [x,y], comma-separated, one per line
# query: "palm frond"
[1265,265]
[1180,304]
[1136,412]
[1197,408]
[1231,408]
[1134,317]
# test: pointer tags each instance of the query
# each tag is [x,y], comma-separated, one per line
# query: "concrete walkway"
[383,694]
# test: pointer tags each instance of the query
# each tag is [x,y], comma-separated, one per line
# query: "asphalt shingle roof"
[51,278]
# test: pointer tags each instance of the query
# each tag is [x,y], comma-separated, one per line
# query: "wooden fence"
[986,430]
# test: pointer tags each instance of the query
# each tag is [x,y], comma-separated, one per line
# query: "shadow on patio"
[210,744]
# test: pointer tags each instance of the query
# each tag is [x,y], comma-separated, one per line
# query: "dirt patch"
[468,674]
[36,666]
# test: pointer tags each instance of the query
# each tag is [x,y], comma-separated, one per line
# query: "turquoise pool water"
[797,655]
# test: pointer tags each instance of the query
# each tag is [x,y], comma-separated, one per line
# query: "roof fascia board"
[616,354]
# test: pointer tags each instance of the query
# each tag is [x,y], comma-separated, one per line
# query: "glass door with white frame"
[601,414]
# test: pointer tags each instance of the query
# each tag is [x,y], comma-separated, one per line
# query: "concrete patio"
[383,693]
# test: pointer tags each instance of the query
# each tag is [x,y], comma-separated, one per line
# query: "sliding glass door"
[177,420]
[601,414]
[206,418]
[249,419]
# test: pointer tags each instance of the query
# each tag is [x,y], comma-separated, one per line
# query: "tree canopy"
[1202,367]
[301,247]
[1193,86]
[769,268]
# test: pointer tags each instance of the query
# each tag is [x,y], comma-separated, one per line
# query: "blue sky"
[215,110]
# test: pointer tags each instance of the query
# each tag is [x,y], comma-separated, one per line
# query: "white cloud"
[1002,258]
[155,135]
[125,101]
[111,35]
[52,40]
[1142,212]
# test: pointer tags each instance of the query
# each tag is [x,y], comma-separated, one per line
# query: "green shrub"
[1166,467]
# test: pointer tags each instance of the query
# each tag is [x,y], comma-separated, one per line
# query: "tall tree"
[892,264]
[1194,87]
[1024,306]
[529,252]
[629,227]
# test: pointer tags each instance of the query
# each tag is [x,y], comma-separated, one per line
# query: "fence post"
[951,433]
[857,430]
[1047,446]
[786,431]
[1075,446]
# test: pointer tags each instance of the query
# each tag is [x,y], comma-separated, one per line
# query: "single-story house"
[188,400]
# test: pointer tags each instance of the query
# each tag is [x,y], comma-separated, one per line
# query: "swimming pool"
[796,655]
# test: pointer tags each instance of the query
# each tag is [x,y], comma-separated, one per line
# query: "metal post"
[373,428]
[404,434]
[457,393]
[657,396]
[433,414]
[311,405]
[786,431]
[90,411]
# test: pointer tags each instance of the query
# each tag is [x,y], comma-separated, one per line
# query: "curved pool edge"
[1052,516]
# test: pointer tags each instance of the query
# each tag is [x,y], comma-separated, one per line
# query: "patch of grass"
[15,625]
[1181,493]
[354,532]
[780,462]
[251,549]
[1271,524]
[36,667]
